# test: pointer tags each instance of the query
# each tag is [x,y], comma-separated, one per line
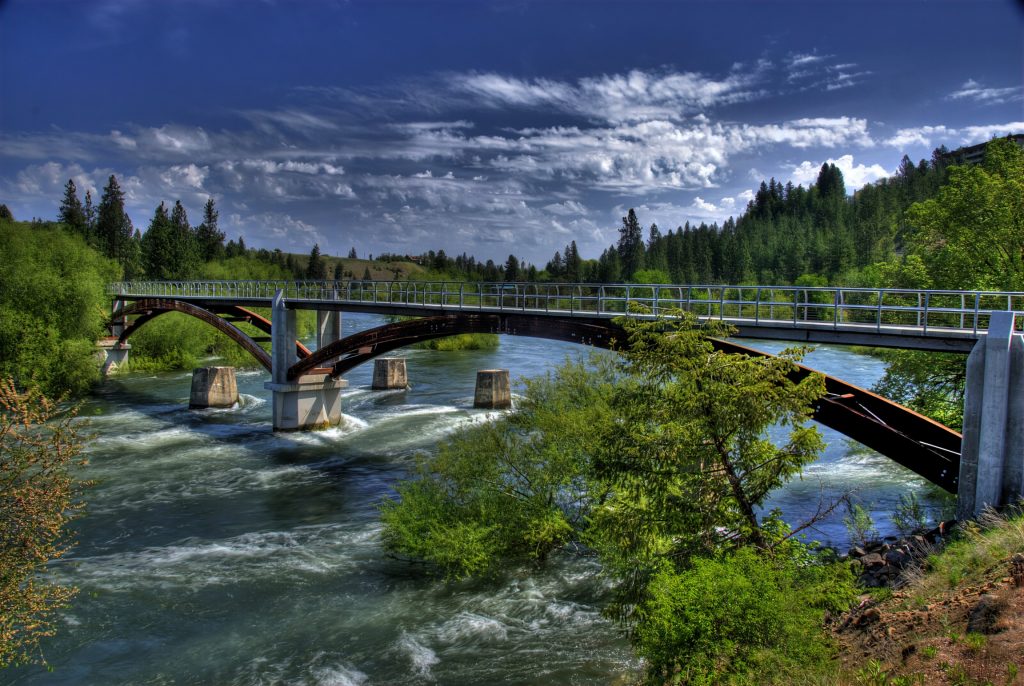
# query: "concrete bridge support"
[992,456]
[493,389]
[389,373]
[309,402]
[111,355]
[328,330]
[213,387]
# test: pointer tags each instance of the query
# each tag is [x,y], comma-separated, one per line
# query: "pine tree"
[352,254]
[573,264]
[90,216]
[339,273]
[71,212]
[208,236]
[113,226]
[158,252]
[315,268]
[185,255]
[512,268]
[631,245]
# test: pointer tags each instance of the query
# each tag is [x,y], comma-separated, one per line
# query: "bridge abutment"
[992,455]
[111,355]
[309,402]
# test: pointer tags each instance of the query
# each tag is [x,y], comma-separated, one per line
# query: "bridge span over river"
[985,466]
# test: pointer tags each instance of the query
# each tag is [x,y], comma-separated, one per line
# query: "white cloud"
[634,96]
[854,175]
[973,90]
[927,136]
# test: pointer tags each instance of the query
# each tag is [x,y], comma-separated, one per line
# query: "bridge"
[985,465]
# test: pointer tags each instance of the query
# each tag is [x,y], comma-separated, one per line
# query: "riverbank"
[957,619]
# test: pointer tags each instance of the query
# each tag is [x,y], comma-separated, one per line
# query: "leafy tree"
[315,268]
[48,343]
[209,238]
[113,226]
[71,211]
[5,214]
[971,235]
[39,495]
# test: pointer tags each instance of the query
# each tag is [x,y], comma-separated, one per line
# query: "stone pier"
[992,453]
[389,373]
[493,390]
[310,402]
[213,387]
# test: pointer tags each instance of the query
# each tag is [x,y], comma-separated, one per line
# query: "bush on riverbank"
[52,306]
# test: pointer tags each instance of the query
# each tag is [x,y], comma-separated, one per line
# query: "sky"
[492,128]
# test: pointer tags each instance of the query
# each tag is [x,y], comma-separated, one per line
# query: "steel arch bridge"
[910,439]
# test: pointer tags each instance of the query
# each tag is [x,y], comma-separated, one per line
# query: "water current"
[217,552]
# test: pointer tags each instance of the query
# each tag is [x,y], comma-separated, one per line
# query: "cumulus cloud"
[854,175]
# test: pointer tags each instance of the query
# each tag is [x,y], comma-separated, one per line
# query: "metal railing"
[920,312]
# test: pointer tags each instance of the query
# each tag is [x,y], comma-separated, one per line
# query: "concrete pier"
[992,456]
[310,402]
[213,387]
[389,373]
[493,389]
[328,330]
[111,355]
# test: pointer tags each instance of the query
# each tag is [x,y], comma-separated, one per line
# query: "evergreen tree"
[5,214]
[573,264]
[158,250]
[315,268]
[71,212]
[113,226]
[352,254]
[339,273]
[367,276]
[186,251]
[210,239]
[90,216]
[556,267]
[631,245]
[512,269]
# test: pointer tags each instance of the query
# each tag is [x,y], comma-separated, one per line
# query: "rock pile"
[880,563]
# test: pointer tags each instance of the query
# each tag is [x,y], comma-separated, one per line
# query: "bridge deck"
[943,321]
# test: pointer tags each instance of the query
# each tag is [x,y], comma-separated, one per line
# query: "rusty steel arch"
[920,444]
[149,309]
[257,320]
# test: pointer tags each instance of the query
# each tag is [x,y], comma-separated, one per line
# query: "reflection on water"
[215,551]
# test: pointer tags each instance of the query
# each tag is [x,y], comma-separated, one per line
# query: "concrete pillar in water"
[493,389]
[310,402]
[328,330]
[389,372]
[992,452]
[213,387]
[111,355]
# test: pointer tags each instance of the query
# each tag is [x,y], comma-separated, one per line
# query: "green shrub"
[741,618]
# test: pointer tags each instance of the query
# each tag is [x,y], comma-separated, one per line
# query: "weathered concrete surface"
[111,356]
[992,456]
[389,372]
[213,387]
[493,389]
[328,330]
[310,403]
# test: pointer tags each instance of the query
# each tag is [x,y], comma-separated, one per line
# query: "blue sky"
[486,127]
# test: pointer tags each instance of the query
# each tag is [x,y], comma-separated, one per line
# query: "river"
[217,552]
